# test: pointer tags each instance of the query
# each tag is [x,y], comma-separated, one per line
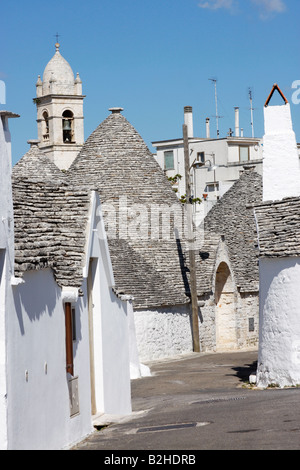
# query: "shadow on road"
[243,372]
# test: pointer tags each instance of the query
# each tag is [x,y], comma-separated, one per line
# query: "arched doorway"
[226,329]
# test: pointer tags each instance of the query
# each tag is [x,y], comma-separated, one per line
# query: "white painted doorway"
[226,328]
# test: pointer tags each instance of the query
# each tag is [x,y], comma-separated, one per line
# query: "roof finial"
[57,43]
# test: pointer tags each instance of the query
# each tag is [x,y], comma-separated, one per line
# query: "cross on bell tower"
[59,101]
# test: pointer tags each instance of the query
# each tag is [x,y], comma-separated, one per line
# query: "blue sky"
[153,57]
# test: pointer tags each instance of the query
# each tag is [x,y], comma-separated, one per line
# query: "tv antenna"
[251,110]
[214,80]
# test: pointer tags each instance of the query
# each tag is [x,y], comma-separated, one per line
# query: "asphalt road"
[203,402]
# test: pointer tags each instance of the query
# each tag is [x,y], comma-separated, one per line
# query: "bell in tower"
[67,126]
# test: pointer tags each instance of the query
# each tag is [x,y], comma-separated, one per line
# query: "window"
[67,126]
[251,324]
[69,338]
[169,160]
[244,154]
[211,187]
[45,126]
[201,157]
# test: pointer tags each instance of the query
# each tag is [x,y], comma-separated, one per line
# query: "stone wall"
[163,332]
[166,332]
[246,316]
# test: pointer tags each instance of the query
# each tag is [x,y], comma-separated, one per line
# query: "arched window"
[45,126]
[67,126]
[224,282]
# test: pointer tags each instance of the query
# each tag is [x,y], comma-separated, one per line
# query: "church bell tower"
[59,102]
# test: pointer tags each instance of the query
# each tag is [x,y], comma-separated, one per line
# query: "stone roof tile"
[35,164]
[278,228]
[50,221]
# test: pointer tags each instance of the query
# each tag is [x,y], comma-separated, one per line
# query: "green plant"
[174,179]
[193,200]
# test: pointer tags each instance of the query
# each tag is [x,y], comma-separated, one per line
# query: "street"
[202,402]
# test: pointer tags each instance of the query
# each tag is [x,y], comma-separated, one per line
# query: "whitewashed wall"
[166,332]
[111,328]
[163,332]
[279,337]
[3,385]
[279,346]
[38,404]
[6,265]
[38,394]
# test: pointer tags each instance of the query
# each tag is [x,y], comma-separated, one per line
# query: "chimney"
[281,173]
[33,142]
[237,122]
[207,129]
[116,110]
[188,120]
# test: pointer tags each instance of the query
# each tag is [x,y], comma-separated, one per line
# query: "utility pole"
[191,241]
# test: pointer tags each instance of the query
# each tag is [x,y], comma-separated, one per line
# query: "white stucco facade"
[163,332]
[279,338]
[279,345]
[38,405]
[42,406]
[39,414]
[6,265]
[38,385]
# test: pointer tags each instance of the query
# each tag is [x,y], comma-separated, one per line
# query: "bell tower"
[59,102]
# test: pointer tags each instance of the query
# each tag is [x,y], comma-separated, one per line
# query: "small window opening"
[212,187]
[251,324]
[67,126]
[201,157]
[45,126]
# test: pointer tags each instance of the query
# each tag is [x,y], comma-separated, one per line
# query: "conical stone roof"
[116,161]
[233,220]
[36,165]
[50,218]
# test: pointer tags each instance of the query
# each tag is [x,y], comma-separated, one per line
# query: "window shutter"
[69,338]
